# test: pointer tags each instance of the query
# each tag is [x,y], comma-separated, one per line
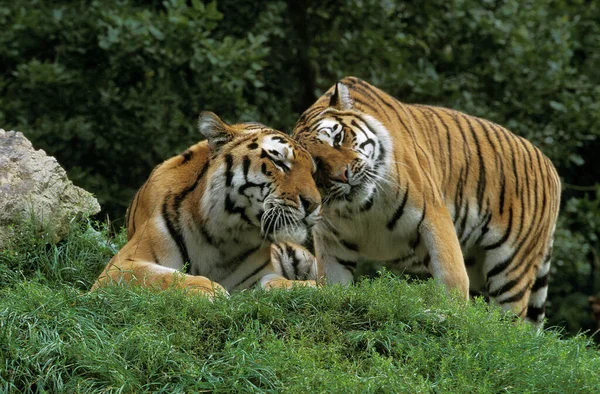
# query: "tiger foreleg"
[124,270]
[293,265]
[445,261]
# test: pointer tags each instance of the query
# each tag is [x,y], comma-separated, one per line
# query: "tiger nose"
[343,174]
[309,205]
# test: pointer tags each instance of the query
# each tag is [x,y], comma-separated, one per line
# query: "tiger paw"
[274,281]
[205,287]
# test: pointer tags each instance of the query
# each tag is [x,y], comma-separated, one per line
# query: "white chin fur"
[294,235]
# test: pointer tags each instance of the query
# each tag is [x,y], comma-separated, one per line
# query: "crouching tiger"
[429,189]
[229,211]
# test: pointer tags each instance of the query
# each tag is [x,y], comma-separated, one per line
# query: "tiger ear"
[217,132]
[341,97]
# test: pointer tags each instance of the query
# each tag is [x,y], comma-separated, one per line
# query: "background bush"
[112,88]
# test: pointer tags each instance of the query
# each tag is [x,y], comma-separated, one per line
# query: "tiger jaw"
[286,223]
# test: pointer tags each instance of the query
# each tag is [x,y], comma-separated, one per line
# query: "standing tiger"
[215,210]
[429,189]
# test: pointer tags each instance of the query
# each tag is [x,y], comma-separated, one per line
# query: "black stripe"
[482,224]
[154,256]
[374,97]
[540,283]
[534,313]
[458,197]
[240,258]
[252,146]
[402,260]
[248,185]
[409,131]
[514,161]
[498,268]
[231,208]
[279,138]
[463,222]
[427,113]
[426,131]
[368,204]
[428,173]
[205,234]
[354,123]
[178,199]
[173,224]
[291,252]
[187,156]
[349,265]
[175,233]
[264,170]
[256,271]
[246,164]
[450,167]
[350,245]
[507,286]
[466,155]
[281,164]
[544,185]
[228,172]
[426,261]
[484,229]
[481,180]
[502,190]
[399,211]
[242,140]
[381,156]
[516,297]
[135,207]
[502,266]
[504,238]
[417,240]
[368,104]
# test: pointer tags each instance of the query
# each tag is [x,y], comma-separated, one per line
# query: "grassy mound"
[382,335]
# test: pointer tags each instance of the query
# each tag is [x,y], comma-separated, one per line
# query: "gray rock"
[34,188]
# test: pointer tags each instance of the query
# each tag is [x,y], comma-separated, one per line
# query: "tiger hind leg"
[536,308]
[510,285]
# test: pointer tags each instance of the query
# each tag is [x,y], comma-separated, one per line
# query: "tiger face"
[349,148]
[267,180]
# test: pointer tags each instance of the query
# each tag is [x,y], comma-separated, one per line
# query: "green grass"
[382,335]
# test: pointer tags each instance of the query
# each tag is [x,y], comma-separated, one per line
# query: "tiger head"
[264,179]
[351,148]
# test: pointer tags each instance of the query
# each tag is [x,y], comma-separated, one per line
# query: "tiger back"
[429,189]
[227,213]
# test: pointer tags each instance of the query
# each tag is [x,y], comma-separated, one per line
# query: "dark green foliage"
[382,335]
[113,87]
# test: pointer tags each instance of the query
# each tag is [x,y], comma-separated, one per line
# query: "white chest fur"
[354,234]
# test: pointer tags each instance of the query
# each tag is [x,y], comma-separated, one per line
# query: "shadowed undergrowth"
[382,335]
